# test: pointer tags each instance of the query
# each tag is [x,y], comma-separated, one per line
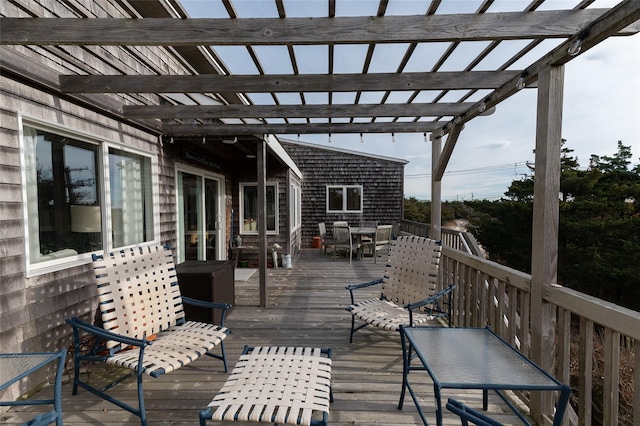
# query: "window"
[63,195]
[82,198]
[347,198]
[296,207]
[131,198]
[249,208]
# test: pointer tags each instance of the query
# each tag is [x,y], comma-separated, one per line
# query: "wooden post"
[262,218]
[435,232]
[544,249]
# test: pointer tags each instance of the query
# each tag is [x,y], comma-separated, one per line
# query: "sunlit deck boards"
[306,307]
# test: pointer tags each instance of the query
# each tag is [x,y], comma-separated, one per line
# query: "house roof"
[426,69]
[344,151]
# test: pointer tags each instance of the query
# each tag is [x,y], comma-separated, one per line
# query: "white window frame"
[54,265]
[344,199]
[295,207]
[155,192]
[243,185]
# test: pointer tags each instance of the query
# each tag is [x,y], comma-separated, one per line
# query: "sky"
[601,103]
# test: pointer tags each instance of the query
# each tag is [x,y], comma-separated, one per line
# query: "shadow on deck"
[306,307]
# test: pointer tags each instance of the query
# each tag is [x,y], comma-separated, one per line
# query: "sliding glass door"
[200,216]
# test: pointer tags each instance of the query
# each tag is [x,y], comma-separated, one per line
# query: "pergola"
[213,103]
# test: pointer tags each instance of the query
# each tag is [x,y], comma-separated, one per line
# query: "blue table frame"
[473,358]
[16,366]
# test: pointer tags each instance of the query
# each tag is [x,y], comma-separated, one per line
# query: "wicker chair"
[409,288]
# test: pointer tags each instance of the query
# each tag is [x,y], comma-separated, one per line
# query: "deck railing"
[595,340]
[460,240]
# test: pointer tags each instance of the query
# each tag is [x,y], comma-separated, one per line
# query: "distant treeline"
[599,229]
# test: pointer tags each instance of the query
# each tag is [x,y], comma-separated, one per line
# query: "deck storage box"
[210,280]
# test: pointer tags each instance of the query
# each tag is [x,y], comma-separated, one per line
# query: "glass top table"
[473,358]
[16,366]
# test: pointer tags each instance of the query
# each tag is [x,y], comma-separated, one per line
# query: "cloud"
[492,146]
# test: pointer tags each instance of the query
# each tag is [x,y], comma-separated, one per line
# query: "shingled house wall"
[382,179]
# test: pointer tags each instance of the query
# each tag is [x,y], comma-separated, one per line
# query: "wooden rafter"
[295,111]
[301,31]
[301,129]
[284,82]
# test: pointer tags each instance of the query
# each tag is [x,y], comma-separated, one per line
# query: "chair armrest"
[470,414]
[431,299]
[77,323]
[207,304]
[353,287]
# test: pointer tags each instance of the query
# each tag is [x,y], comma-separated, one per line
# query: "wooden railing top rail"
[615,317]
[466,239]
[514,277]
[610,315]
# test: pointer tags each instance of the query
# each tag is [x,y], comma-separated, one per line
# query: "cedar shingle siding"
[381,178]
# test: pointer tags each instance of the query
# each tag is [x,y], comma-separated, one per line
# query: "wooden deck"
[305,308]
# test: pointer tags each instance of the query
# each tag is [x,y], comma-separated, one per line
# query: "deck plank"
[306,307]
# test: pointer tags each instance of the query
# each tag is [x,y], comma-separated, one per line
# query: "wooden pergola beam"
[445,155]
[211,83]
[301,31]
[295,111]
[196,129]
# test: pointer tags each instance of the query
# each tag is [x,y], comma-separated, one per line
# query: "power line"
[486,169]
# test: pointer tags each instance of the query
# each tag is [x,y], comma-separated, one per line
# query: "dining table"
[358,232]
[473,358]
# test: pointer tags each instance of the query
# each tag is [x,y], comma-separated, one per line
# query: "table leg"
[407,351]
[563,401]
[406,359]
[235,253]
[485,399]
[436,391]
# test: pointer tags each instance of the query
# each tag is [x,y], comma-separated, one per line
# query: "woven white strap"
[173,348]
[283,385]
[385,314]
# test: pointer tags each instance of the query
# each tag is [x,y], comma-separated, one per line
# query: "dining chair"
[342,241]
[368,223]
[395,230]
[381,241]
[324,240]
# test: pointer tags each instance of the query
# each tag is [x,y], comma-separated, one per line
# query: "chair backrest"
[341,235]
[369,224]
[383,234]
[138,291]
[412,271]
[395,230]
[323,230]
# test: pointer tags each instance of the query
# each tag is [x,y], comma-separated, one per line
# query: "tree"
[599,229]
[416,210]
